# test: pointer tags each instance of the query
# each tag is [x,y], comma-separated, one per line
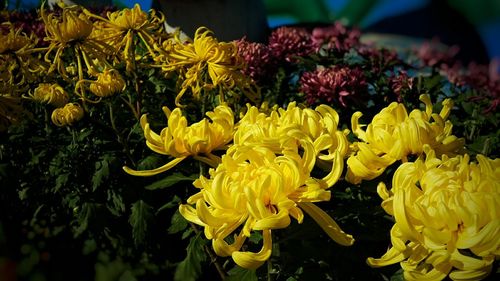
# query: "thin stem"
[119,136]
[212,255]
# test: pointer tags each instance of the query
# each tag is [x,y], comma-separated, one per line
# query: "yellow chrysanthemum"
[52,94]
[10,111]
[17,63]
[447,217]
[204,64]
[393,135]
[253,189]
[71,29]
[108,83]
[67,115]
[180,140]
[120,28]
[274,130]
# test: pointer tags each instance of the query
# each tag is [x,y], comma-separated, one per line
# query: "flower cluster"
[333,84]
[335,37]
[447,217]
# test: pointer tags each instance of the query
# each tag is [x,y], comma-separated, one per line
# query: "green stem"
[119,136]
[212,255]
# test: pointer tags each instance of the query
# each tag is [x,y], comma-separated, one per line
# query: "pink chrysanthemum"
[287,43]
[333,85]
[432,53]
[335,37]
[258,60]
[400,82]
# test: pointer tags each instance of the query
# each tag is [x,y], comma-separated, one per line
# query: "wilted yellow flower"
[52,94]
[277,130]
[205,63]
[67,115]
[393,135]
[108,83]
[10,111]
[447,217]
[253,189]
[180,140]
[71,29]
[121,27]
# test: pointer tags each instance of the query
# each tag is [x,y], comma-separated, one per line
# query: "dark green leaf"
[141,214]
[150,162]
[115,203]
[61,180]
[169,181]
[85,215]
[398,276]
[178,223]
[190,268]
[101,171]
[241,274]
[173,203]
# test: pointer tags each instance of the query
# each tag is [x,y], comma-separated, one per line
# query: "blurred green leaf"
[141,214]
[178,223]
[101,171]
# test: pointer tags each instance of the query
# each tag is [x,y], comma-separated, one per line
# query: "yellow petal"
[250,260]
[327,224]
[147,173]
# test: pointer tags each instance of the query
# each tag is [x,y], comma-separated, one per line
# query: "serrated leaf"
[115,205]
[241,274]
[150,162]
[139,218]
[101,171]
[169,181]
[190,268]
[178,223]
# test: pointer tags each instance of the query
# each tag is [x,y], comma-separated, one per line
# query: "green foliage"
[191,267]
[240,274]
[139,218]
[170,180]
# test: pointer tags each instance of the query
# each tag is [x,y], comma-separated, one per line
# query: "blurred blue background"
[409,17]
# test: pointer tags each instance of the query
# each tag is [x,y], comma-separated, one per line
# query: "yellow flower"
[121,27]
[17,63]
[393,135]
[10,111]
[108,83]
[253,189]
[447,217]
[67,115]
[180,140]
[277,131]
[205,64]
[72,29]
[52,94]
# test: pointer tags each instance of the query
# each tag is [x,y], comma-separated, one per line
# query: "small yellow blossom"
[67,115]
[52,94]
[108,83]
[179,140]
[253,189]
[205,63]
[393,135]
[447,217]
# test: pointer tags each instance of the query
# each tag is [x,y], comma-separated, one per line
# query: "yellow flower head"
[120,28]
[108,83]
[52,94]
[447,217]
[253,189]
[67,115]
[278,131]
[205,63]
[180,140]
[72,25]
[15,40]
[10,111]
[393,135]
